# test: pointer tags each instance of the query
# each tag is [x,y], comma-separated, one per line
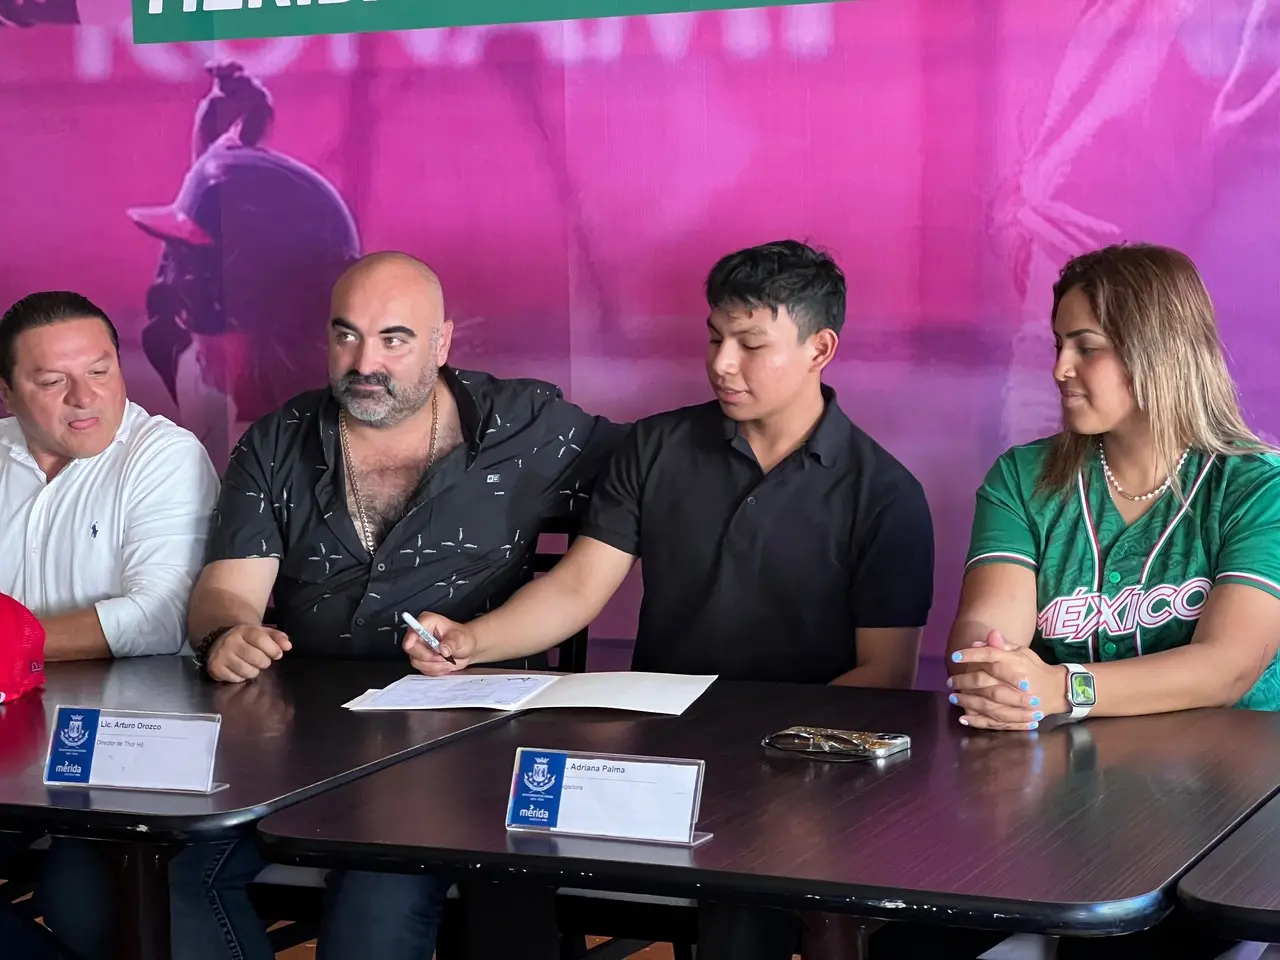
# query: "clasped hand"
[1011,689]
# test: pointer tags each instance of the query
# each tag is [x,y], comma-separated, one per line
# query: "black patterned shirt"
[465,544]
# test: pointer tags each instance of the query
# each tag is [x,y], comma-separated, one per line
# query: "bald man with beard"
[407,484]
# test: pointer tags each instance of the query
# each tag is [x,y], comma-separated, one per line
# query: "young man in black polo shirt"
[780,542]
[405,484]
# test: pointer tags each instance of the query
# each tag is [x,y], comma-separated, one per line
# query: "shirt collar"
[829,438]
[471,413]
[15,441]
[11,437]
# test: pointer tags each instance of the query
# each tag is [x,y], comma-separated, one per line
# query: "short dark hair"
[785,273]
[40,310]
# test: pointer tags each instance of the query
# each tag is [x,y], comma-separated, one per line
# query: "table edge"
[1236,921]
[1105,918]
[181,828]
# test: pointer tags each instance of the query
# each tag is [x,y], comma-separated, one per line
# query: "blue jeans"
[210,914]
[209,910]
[21,936]
[367,915]
[83,900]
[397,916]
[386,916]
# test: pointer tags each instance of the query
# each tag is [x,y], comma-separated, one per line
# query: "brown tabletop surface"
[1236,888]
[284,737]
[1082,829]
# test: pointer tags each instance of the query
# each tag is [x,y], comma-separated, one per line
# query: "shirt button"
[751,500]
[381,567]
[1109,649]
[1113,576]
[359,621]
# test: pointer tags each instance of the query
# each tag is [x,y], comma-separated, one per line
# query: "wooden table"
[1236,888]
[1082,830]
[285,737]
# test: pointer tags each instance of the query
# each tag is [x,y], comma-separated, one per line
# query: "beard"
[376,400]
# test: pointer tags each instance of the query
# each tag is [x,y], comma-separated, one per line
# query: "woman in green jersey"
[1129,564]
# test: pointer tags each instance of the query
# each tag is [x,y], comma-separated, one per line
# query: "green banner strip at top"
[167,21]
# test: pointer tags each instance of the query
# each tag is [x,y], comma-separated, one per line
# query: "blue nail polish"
[953,698]
[1035,701]
[1037,715]
[950,681]
[957,657]
[1023,685]
[1034,725]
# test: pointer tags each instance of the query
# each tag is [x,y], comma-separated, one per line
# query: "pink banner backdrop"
[572,183]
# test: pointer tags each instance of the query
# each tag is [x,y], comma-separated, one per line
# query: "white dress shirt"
[122,532]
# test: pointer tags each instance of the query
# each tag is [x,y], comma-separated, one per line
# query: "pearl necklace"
[1111,478]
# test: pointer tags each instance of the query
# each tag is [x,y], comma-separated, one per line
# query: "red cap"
[21,650]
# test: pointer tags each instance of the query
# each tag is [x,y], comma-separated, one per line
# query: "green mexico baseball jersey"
[1106,590]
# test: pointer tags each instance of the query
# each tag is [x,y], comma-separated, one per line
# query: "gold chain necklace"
[362,520]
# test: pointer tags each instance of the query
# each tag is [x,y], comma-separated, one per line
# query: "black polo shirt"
[465,544]
[758,576]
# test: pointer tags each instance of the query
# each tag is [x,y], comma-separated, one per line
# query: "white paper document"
[503,691]
[644,692]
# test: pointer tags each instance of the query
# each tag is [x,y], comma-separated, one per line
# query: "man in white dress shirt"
[103,516]
[103,508]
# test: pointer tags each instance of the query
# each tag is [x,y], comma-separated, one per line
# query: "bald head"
[389,274]
[388,337]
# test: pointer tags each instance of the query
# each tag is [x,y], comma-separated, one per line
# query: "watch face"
[1081,690]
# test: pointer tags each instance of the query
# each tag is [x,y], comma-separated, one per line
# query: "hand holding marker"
[427,638]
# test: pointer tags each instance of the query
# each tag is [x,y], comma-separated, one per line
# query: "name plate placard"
[133,750]
[653,799]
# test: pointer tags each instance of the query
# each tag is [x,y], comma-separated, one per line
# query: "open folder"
[668,693]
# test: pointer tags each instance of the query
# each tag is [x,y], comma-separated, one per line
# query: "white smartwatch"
[1081,693]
